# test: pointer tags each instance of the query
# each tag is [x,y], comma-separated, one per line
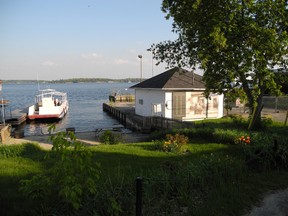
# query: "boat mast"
[38,81]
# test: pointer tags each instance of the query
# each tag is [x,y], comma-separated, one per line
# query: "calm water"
[85,104]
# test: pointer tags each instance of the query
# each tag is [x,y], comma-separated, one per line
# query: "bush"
[225,136]
[267,152]
[70,181]
[172,143]
[266,122]
[110,137]
[158,145]
[238,120]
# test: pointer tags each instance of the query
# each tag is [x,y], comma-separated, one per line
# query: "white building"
[176,94]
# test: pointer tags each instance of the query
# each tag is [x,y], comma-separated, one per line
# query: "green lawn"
[209,178]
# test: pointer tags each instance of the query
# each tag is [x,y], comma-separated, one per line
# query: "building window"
[140,101]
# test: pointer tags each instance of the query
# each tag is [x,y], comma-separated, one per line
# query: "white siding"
[159,103]
[146,101]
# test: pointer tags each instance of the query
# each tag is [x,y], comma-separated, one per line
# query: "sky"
[62,39]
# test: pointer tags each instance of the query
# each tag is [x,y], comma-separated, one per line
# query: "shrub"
[202,132]
[266,122]
[225,136]
[238,120]
[267,152]
[109,137]
[174,143]
[70,180]
[205,133]
[158,145]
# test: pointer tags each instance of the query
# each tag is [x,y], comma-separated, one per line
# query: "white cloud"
[91,56]
[49,63]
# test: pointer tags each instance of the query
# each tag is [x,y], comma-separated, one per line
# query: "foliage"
[205,132]
[232,41]
[237,119]
[110,137]
[232,95]
[18,150]
[267,152]
[172,143]
[209,174]
[115,195]
[266,122]
[282,80]
[70,180]
[166,189]
[243,140]
[174,184]
[225,136]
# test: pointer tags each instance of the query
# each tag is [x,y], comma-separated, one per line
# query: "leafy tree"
[232,95]
[232,41]
[282,80]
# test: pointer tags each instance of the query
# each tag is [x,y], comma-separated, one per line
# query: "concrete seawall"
[5,132]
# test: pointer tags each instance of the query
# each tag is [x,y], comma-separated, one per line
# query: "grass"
[12,170]
[209,179]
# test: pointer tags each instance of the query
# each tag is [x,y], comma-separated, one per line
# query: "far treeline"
[75,80]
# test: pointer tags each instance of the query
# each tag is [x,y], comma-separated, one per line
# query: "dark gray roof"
[175,78]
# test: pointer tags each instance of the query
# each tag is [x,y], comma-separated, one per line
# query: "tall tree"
[232,41]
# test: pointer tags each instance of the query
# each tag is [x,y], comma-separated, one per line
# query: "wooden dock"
[125,114]
[16,118]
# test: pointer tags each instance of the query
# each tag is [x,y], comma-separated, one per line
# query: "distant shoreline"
[74,80]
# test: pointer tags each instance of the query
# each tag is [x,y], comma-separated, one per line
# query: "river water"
[85,104]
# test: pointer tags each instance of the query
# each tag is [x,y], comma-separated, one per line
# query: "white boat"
[49,104]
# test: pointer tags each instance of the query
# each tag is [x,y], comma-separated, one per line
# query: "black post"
[139,190]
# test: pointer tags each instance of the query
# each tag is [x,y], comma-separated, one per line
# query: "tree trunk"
[255,118]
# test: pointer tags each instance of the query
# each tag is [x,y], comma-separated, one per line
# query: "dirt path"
[85,137]
[88,138]
[273,204]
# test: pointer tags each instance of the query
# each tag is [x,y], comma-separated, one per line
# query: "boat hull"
[48,116]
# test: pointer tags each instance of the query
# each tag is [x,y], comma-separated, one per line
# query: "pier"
[124,112]
[17,117]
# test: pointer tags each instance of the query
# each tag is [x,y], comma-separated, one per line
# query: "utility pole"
[140,57]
